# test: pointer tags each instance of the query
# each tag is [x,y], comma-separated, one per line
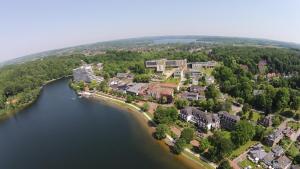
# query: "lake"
[62,131]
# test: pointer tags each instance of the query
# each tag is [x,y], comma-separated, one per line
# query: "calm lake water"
[61,131]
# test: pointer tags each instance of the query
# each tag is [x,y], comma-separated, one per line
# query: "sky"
[30,26]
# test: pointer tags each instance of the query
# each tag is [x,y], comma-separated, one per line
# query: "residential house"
[209,80]
[178,73]
[125,76]
[268,159]
[194,73]
[136,88]
[256,153]
[262,66]
[170,85]
[258,92]
[200,65]
[197,89]
[191,96]
[202,119]
[156,91]
[289,132]
[228,121]
[295,167]
[266,121]
[274,137]
[99,66]
[283,162]
[277,150]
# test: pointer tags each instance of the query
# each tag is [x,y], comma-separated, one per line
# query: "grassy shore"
[127,106]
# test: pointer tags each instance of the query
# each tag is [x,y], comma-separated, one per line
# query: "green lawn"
[294,125]
[247,163]
[202,163]
[172,80]
[242,149]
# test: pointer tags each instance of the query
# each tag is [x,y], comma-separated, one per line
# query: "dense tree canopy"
[165,115]
[244,131]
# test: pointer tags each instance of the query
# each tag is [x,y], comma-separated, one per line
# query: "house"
[200,65]
[119,88]
[156,91]
[258,92]
[274,137]
[191,96]
[86,74]
[278,151]
[295,167]
[283,162]
[178,73]
[125,76]
[261,66]
[99,66]
[228,121]
[170,85]
[256,153]
[209,80]
[268,159]
[289,132]
[197,89]
[194,73]
[202,119]
[266,121]
[136,88]
[162,64]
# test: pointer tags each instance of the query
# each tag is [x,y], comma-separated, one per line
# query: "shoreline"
[9,113]
[187,156]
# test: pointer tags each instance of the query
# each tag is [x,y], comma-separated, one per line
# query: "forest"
[20,83]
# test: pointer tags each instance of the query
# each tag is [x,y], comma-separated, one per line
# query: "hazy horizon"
[32,26]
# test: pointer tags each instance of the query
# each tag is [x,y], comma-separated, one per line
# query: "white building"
[85,73]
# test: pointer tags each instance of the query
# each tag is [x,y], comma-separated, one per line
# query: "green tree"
[145,107]
[142,78]
[103,86]
[204,144]
[221,146]
[212,92]
[129,98]
[181,103]
[297,159]
[179,146]
[259,133]
[224,165]
[276,120]
[93,84]
[165,115]
[161,131]
[187,134]
[244,131]
[281,99]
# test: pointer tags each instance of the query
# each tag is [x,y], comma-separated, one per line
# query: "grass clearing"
[242,149]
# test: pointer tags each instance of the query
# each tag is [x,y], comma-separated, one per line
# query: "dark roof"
[196,113]
[227,115]
[281,162]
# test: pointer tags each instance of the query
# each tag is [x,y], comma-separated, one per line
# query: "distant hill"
[152,41]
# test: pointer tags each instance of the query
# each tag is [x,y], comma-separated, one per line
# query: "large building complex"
[86,74]
[162,64]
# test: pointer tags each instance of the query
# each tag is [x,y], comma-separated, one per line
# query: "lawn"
[242,149]
[172,80]
[247,163]
[294,125]
[256,116]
